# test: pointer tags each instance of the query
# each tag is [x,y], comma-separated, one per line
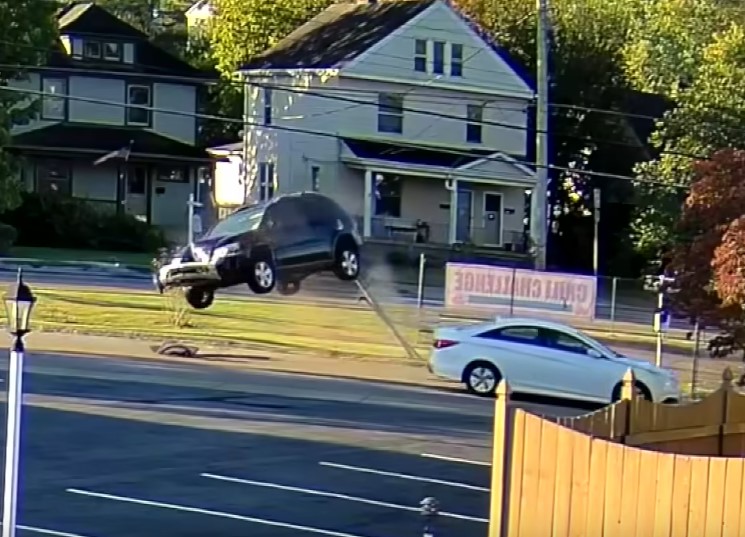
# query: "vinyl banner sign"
[519,291]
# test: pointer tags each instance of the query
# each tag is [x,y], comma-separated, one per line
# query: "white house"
[107,89]
[198,14]
[403,112]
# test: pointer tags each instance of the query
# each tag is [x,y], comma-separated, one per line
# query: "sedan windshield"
[238,222]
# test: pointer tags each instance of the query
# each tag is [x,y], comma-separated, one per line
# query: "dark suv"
[275,243]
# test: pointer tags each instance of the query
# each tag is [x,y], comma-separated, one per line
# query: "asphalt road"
[125,448]
[381,285]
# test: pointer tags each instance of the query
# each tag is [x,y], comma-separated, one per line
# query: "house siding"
[336,107]
[393,58]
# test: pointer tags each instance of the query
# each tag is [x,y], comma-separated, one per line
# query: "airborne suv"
[274,243]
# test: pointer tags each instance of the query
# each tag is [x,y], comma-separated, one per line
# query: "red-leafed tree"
[709,257]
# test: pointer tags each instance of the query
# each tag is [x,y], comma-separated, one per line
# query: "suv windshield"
[239,222]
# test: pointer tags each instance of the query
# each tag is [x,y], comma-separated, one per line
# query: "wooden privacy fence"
[632,468]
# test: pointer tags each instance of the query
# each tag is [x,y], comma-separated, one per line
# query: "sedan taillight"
[443,343]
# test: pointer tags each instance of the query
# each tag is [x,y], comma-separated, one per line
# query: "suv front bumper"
[185,273]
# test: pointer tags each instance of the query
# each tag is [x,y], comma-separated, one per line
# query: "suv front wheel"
[347,260]
[261,275]
[199,298]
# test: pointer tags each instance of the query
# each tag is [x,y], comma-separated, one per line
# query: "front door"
[464,208]
[492,219]
[135,201]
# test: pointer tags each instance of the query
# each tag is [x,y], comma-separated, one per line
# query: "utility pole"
[538,206]
[596,230]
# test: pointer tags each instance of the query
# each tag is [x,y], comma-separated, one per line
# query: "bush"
[8,236]
[62,222]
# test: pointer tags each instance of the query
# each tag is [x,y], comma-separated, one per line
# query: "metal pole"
[420,282]
[12,438]
[247,187]
[538,200]
[613,291]
[658,350]
[696,351]
[512,291]
[190,224]
[595,236]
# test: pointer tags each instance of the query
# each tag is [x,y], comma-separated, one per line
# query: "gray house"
[108,91]
[400,110]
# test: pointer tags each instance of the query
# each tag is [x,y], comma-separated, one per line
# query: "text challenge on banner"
[484,286]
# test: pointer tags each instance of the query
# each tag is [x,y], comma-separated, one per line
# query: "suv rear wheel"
[199,298]
[261,276]
[347,260]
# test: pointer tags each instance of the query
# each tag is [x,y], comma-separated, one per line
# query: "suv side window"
[528,335]
[317,211]
[287,214]
[565,342]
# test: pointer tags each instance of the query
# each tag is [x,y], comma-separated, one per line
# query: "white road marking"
[43,531]
[209,512]
[403,476]
[336,495]
[455,459]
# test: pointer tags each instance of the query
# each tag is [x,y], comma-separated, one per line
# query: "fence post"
[420,282]
[726,390]
[613,291]
[512,291]
[501,468]
[628,398]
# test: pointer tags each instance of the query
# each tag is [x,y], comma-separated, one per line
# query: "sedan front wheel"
[482,378]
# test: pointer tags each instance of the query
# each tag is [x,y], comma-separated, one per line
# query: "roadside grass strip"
[326,328]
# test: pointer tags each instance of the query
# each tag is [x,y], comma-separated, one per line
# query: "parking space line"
[43,531]
[336,495]
[455,459]
[210,512]
[403,476]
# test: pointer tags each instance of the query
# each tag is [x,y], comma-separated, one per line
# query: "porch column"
[367,205]
[453,227]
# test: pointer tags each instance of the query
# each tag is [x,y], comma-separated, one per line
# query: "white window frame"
[456,61]
[131,107]
[48,100]
[475,122]
[420,56]
[87,43]
[267,106]
[386,112]
[441,65]
[112,57]
[266,181]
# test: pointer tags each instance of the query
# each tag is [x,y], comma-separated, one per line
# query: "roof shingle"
[340,33]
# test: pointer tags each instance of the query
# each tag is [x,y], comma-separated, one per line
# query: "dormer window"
[92,49]
[112,52]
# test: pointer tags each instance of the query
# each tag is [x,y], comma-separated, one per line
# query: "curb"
[74,264]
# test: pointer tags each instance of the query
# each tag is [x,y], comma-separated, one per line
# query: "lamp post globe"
[19,303]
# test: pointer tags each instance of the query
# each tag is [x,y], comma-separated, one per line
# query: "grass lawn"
[329,329]
[307,328]
[62,255]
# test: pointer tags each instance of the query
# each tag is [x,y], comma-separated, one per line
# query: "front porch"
[480,200]
[152,180]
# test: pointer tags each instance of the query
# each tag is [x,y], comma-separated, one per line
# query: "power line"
[402,144]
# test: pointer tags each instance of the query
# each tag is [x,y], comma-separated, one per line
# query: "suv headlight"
[225,250]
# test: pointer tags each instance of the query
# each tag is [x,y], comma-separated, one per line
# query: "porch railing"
[412,231]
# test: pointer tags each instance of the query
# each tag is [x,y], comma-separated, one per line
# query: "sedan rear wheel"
[482,378]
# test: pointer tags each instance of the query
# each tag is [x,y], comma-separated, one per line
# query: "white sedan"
[542,358]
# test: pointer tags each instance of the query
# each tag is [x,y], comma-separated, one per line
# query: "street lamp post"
[430,508]
[19,301]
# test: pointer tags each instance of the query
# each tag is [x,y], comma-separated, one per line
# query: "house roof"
[339,33]
[89,19]
[103,139]
[198,6]
[425,156]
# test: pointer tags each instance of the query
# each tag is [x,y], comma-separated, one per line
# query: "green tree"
[28,29]
[709,115]
[243,28]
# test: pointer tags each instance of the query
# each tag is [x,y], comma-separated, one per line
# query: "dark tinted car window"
[288,213]
[516,334]
[318,211]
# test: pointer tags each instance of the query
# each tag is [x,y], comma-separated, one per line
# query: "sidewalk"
[393,371]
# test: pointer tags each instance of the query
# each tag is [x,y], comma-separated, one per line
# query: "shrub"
[8,236]
[63,222]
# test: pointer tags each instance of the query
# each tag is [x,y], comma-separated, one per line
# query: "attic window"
[456,60]
[112,52]
[420,55]
[92,49]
